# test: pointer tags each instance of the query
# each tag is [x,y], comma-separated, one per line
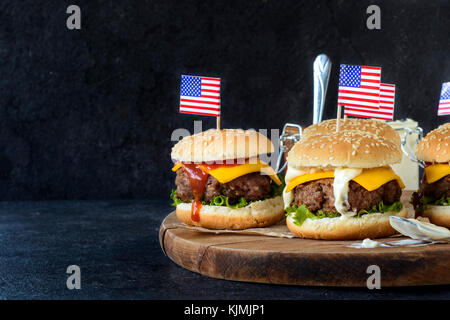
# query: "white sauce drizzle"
[291,173]
[288,197]
[340,188]
[367,243]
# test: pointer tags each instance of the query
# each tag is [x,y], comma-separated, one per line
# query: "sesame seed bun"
[353,149]
[377,127]
[257,214]
[438,215]
[375,225]
[219,145]
[435,147]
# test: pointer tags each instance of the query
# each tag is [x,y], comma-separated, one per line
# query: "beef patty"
[318,194]
[437,188]
[252,186]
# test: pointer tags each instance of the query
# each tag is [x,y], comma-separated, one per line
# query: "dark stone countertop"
[115,243]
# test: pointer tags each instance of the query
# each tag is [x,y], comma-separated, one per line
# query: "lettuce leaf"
[442,201]
[420,202]
[276,190]
[224,201]
[300,213]
[221,201]
[381,207]
[176,201]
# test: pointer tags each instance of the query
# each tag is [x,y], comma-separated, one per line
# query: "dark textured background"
[88,114]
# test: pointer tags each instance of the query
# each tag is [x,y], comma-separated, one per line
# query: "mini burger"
[340,186]
[377,127]
[221,182]
[433,198]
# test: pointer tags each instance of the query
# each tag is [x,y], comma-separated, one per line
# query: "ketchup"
[197,179]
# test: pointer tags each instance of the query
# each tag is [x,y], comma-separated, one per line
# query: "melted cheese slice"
[369,179]
[435,172]
[308,177]
[227,173]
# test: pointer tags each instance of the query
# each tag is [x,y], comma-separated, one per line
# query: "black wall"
[88,114]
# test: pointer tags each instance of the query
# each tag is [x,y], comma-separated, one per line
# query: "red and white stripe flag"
[387,102]
[359,86]
[444,101]
[200,95]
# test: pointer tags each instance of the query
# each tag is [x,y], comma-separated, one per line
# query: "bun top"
[377,127]
[435,146]
[218,145]
[353,149]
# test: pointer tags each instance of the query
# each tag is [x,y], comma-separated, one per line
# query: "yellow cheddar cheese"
[369,179]
[308,177]
[435,172]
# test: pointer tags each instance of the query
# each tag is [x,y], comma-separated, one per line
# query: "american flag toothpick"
[359,87]
[200,95]
[444,100]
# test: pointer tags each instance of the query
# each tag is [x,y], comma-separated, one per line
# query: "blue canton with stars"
[191,86]
[445,93]
[350,76]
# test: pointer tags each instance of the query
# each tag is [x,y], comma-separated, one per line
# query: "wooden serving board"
[258,258]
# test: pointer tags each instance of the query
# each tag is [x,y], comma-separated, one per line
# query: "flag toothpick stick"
[359,91]
[444,100]
[338,117]
[218,122]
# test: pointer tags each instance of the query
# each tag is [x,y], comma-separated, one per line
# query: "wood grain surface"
[258,258]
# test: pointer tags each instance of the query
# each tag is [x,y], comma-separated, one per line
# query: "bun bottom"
[375,225]
[438,215]
[261,213]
